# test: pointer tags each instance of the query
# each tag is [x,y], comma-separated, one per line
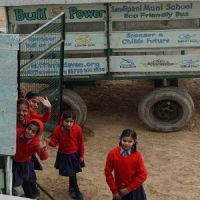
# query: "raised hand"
[45,102]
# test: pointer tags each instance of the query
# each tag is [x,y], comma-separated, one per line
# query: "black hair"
[31,95]
[68,114]
[129,133]
[35,124]
[23,101]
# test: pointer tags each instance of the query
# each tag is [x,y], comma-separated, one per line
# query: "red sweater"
[128,171]
[43,117]
[20,125]
[69,141]
[25,148]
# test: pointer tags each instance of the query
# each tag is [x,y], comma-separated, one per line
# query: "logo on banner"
[158,62]
[187,38]
[56,11]
[190,63]
[84,40]
[127,63]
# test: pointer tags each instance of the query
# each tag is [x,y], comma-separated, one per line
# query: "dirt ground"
[172,159]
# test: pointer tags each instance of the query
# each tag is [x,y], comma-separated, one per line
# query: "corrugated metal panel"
[39,2]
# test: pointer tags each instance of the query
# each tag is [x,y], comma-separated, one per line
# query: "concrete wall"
[2,19]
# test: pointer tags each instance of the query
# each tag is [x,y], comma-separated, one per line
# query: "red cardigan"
[68,141]
[128,171]
[25,148]
[43,117]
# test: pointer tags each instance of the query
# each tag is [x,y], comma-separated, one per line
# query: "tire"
[71,100]
[77,104]
[166,109]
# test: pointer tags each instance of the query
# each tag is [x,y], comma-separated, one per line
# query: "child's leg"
[28,189]
[71,189]
[74,185]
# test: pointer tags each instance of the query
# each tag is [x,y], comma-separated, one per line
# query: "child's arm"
[109,176]
[81,146]
[41,150]
[46,116]
[53,141]
[141,175]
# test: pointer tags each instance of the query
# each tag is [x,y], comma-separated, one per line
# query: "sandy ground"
[172,159]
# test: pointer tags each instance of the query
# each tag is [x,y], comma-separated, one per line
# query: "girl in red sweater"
[23,109]
[28,142]
[35,100]
[128,167]
[70,157]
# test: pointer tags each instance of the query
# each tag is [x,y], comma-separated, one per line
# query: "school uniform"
[70,150]
[129,172]
[23,167]
[23,124]
[43,117]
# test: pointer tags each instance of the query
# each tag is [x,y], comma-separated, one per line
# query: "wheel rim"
[167,110]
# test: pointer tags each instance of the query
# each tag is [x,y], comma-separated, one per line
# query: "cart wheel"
[166,109]
[74,102]
[71,100]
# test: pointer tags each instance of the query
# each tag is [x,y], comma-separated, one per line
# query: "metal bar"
[8,171]
[43,26]
[62,50]
[109,50]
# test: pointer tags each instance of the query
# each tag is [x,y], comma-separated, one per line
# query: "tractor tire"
[166,109]
[71,99]
[77,104]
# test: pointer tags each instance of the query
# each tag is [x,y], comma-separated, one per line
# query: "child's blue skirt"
[23,172]
[138,194]
[68,164]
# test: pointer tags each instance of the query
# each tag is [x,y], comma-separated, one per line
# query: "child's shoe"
[72,193]
[80,197]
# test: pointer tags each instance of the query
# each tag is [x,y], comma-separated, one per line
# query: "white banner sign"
[155,39]
[73,41]
[43,13]
[154,11]
[74,66]
[150,63]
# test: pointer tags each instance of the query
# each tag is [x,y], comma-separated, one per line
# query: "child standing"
[70,156]
[128,167]
[28,142]
[35,100]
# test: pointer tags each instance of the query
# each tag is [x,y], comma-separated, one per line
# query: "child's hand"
[81,158]
[116,196]
[123,191]
[43,145]
[47,140]
[45,102]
